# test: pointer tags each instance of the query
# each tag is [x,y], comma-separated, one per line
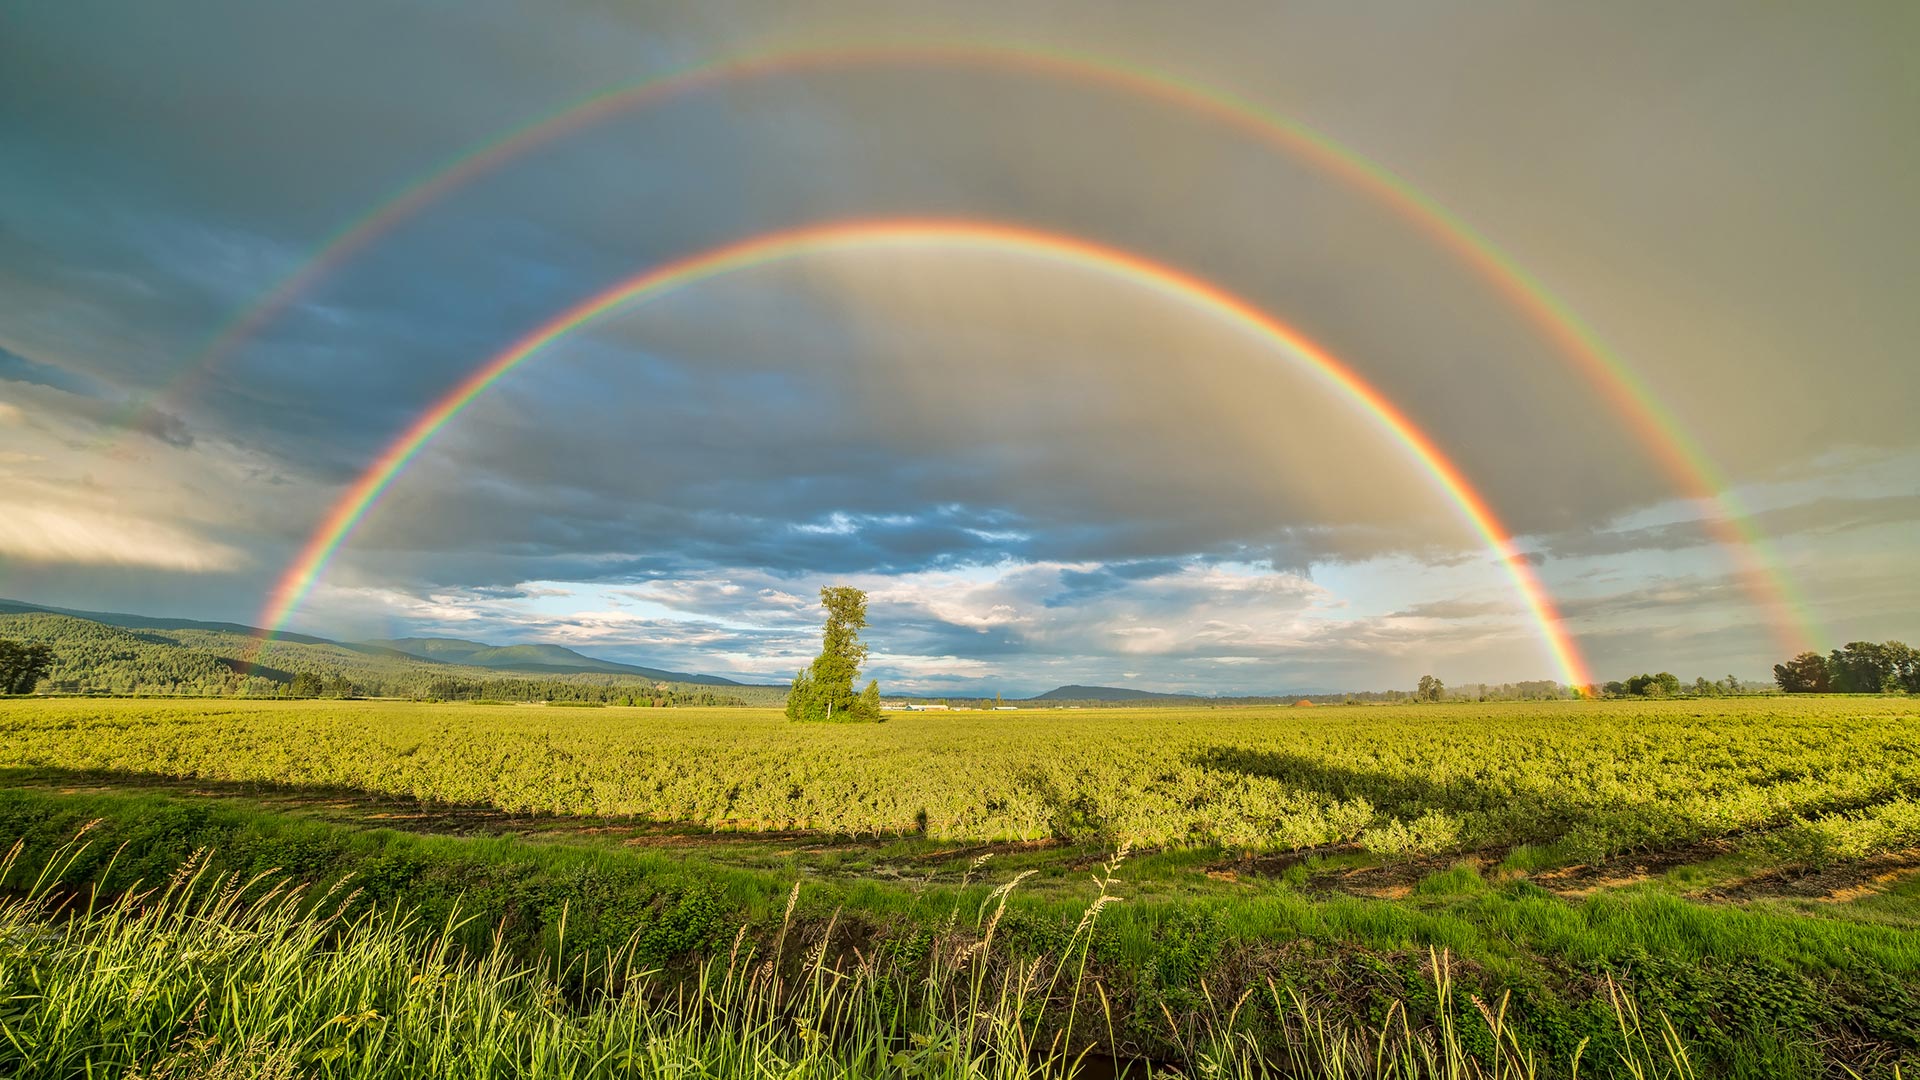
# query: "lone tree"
[1430,689]
[824,691]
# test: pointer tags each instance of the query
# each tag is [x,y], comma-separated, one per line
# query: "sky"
[1040,472]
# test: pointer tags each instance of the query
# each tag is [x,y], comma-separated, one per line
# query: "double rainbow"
[353,506]
[1655,425]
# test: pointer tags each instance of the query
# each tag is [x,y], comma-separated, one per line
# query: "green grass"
[219,975]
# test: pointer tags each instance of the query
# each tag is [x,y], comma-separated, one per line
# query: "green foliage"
[1904,660]
[1867,667]
[1861,667]
[1822,841]
[801,696]
[1430,689]
[1804,674]
[1665,684]
[824,691]
[22,664]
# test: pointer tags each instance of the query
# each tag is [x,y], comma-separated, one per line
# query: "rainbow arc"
[363,496]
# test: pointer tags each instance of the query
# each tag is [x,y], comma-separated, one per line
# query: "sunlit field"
[1589,780]
[1281,885]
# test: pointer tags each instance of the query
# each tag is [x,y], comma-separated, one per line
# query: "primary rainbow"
[361,497]
[1655,425]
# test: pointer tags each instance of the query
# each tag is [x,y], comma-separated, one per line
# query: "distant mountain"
[1121,693]
[1108,693]
[544,659]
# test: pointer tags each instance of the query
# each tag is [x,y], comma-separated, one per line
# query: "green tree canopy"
[1665,684]
[1862,667]
[1430,689]
[1859,667]
[22,664]
[1904,659]
[1804,674]
[824,691]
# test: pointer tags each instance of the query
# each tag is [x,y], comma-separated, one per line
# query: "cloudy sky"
[1041,474]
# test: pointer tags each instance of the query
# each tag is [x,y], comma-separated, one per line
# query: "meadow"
[1664,888]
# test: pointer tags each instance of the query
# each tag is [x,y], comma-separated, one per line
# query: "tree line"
[590,689]
[1664,684]
[1860,667]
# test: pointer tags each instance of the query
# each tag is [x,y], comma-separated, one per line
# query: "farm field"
[1583,781]
[1748,867]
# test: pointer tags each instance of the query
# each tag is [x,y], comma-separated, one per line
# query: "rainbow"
[359,499]
[1652,422]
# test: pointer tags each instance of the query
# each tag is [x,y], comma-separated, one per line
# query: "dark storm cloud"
[323,385]
[17,368]
[83,398]
[1682,594]
[117,416]
[1079,585]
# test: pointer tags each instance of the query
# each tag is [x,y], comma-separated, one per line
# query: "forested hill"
[148,622]
[159,656]
[541,659]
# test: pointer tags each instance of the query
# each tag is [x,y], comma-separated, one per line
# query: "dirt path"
[1397,879]
[1839,884]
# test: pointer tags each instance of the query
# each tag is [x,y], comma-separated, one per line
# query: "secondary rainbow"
[354,505]
[1654,424]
